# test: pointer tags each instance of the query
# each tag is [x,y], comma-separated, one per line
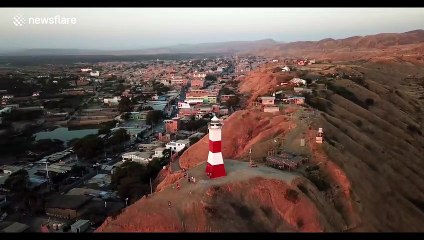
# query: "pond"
[64,134]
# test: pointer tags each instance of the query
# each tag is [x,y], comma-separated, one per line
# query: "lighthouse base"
[215,171]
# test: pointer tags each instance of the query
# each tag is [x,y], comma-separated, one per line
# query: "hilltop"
[407,46]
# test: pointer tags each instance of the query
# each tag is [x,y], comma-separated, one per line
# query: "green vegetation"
[126,116]
[315,177]
[226,91]
[125,105]
[291,195]
[232,101]
[132,179]
[316,102]
[194,124]
[414,129]
[66,102]
[160,88]
[153,117]
[105,127]
[88,147]
[47,146]
[118,137]
[16,115]
[211,78]
[17,182]
[344,92]
[369,101]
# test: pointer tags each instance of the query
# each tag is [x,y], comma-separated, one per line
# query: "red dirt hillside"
[260,199]
[241,131]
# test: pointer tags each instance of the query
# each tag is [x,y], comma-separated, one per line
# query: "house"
[298,81]
[80,226]
[198,83]
[15,227]
[9,169]
[172,125]
[100,179]
[159,152]
[267,100]
[301,62]
[8,96]
[112,101]
[137,115]
[67,206]
[294,100]
[271,109]
[301,90]
[5,110]
[225,97]
[285,69]
[178,145]
[94,73]
[139,157]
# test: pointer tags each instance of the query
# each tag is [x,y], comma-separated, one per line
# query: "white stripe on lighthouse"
[215,158]
[215,135]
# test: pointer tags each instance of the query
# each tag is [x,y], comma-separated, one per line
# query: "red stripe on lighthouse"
[215,146]
[215,171]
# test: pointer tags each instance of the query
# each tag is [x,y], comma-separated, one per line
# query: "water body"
[64,134]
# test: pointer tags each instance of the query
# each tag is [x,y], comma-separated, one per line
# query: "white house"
[95,73]
[177,145]
[159,152]
[285,69]
[86,69]
[139,157]
[112,101]
[298,81]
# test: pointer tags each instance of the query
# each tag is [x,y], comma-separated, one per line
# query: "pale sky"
[137,28]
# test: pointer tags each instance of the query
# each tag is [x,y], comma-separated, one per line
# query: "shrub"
[344,92]
[292,195]
[414,129]
[369,101]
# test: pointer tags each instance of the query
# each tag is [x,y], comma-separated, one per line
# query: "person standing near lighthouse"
[215,164]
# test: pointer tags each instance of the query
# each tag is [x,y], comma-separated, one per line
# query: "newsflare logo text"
[20,21]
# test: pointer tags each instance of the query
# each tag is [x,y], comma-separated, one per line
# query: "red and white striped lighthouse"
[215,165]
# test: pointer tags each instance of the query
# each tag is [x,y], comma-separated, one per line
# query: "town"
[74,133]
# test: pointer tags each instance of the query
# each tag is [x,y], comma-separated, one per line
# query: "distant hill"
[356,47]
[218,47]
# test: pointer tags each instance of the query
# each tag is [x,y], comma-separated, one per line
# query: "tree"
[17,182]
[153,117]
[118,137]
[211,78]
[126,116]
[88,146]
[232,101]
[226,91]
[125,105]
[132,179]
[105,127]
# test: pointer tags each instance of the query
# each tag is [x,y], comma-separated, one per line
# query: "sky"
[138,28]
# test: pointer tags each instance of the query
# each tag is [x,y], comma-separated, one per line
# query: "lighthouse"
[215,165]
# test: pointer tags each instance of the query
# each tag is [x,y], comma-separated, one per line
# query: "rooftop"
[80,223]
[68,201]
